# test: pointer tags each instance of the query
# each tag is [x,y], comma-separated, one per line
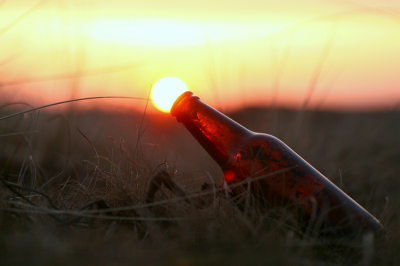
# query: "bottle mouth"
[181,101]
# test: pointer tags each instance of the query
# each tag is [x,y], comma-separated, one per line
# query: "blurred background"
[320,75]
[323,76]
[337,55]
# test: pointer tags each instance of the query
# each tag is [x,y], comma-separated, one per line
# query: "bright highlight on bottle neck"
[166,91]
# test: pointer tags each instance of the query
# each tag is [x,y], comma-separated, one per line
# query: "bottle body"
[280,177]
[277,175]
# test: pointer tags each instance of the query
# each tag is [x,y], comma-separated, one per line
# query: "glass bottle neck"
[219,135]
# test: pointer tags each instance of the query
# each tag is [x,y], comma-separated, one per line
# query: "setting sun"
[166,91]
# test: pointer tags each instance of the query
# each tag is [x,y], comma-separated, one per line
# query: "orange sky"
[325,54]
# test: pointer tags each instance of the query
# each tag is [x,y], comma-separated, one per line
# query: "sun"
[166,91]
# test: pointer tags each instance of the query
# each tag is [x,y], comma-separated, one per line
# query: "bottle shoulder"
[264,153]
[264,141]
[263,137]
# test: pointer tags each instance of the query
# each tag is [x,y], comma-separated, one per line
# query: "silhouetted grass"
[73,191]
[74,185]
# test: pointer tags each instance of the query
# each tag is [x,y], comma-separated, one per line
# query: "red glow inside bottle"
[278,175]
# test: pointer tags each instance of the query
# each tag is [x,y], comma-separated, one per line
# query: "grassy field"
[73,190]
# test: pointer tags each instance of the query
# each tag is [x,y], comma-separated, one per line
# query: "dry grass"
[74,187]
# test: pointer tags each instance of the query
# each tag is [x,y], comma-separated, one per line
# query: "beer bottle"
[277,176]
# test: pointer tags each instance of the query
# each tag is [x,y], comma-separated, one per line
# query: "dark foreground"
[74,186]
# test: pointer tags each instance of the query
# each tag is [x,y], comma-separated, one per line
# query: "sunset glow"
[334,55]
[168,33]
[166,91]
